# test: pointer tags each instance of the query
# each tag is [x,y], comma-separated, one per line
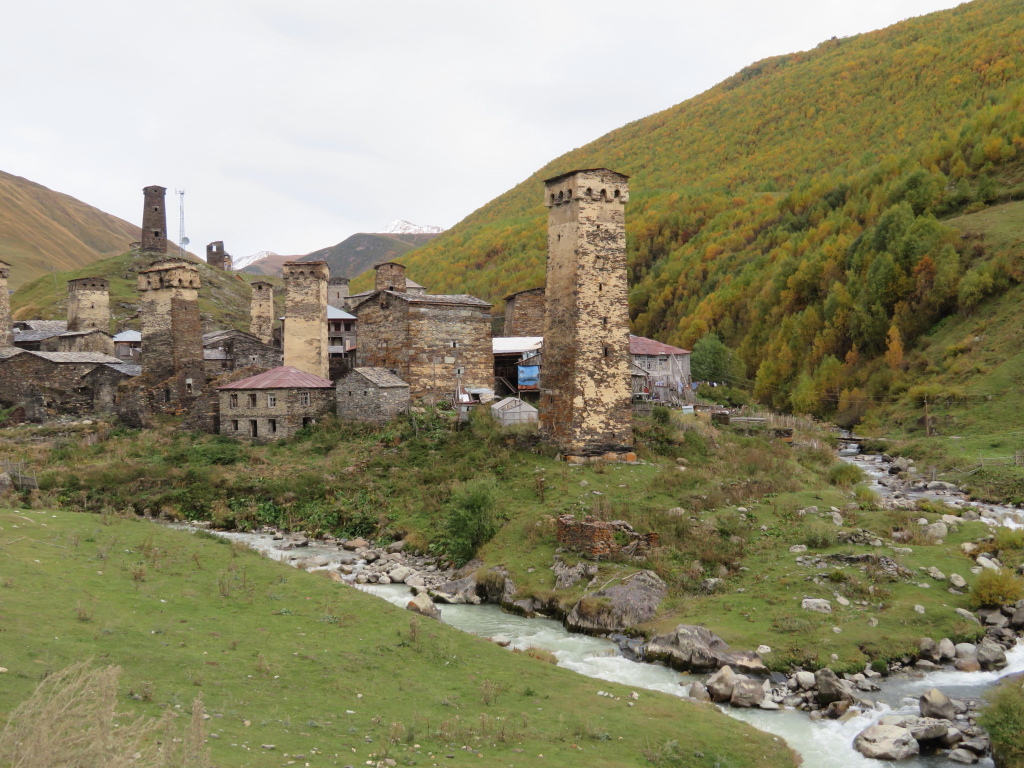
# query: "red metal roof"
[284,377]
[638,345]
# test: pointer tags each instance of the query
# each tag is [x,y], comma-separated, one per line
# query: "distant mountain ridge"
[42,230]
[353,255]
[403,227]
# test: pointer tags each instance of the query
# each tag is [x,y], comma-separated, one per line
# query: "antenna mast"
[181,222]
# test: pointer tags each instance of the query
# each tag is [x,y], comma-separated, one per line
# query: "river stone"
[353,544]
[934,703]
[566,577]
[698,692]
[457,591]
[816,604]
[963,756]
[935,531]
[928,729]
[947,651]
[953,736]
[804,679]
[746,693]
[692,648]
[423,605]
[991,654]
[721,683]
[965,650]
[1017,620]
[830,687]
[929,649]
[400,574]
[986,563]
[624,605]
[957,581]
[963,613]
[967,664]
[886,742]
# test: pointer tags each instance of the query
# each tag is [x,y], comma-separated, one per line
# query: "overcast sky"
[292,124]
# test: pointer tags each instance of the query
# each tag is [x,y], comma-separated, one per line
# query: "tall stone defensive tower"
[390,276]
[524,313]
[216,256]
[172,334]
[585,378]
[261,323]
[305,316]
[154,220]
[337,292]
[6,331]
[89,304]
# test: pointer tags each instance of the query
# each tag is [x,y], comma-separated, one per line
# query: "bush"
[219,451]
[995,588]
[1009,538]
[820,536]
[845,475]
[1003,718]
[470,522]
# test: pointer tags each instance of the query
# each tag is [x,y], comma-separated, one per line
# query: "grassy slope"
[42,230]
[381,482]
[223,300]
[327,674]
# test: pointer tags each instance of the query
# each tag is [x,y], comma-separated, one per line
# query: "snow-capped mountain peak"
[244,261]
[402,227]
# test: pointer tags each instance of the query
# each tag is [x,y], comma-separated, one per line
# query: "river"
[821,744]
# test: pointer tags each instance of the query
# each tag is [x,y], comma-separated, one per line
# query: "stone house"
[225,351]
[524,313]
[30,334]
[54,383]
[373,395]
[128,346]
[439,344]
[274,405]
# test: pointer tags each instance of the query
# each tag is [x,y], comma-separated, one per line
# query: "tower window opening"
[600,287]
[616,193]
[606,351]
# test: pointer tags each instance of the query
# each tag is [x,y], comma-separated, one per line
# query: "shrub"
[661,415]
[845,475]
[995,588]
[820,536]
[1003,718]
[1010,538]
[470,522]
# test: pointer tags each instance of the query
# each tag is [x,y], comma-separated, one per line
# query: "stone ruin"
[596,539]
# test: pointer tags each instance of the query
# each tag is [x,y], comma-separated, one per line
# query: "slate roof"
[583,170]
[41,335]
[282,377]
[128,369]
[454,299]
[381,377]
[638,345]
[76,357]
[9,352]
[213,337]
[59,326]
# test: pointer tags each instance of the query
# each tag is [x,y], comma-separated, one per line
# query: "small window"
[453,344]
[366,393]
[234,425]
[303,398]
[460,371]
[233,403]
[606,351]
[350,393]
[604,321]
[254,430]
[252,400]
[271,401]
[272,425]
[188,386]
[600,287]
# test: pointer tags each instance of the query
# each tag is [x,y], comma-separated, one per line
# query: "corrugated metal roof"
[128,336]
[76,357]
[283,377]
[333,313]
[515,345]
[638,345]
[382,377]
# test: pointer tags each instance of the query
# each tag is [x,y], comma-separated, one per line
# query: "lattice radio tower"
[182,240]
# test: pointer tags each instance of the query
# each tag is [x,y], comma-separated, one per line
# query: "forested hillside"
[798,209]
[42,230]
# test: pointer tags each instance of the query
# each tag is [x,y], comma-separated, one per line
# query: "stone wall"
[154,220]
[89,304]
[596,539]
[337,292]
[216,256]
[172,338]
[383,323]
[434,364]
[204,416]
[240,350]
[524,313]
[6,332]
[389,277]
[283,419]
[59,388]
[585,379]
[88,341]
[305,325]
[261,311]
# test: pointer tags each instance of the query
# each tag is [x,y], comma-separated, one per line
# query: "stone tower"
[524,313]
[261,323]
[585,403]
[6,332]
[154,220]
[305,316]
[337,292]
[390,277]
[89,304]
[172,334]
[216,256]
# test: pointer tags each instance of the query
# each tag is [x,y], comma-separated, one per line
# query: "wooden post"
[927,419]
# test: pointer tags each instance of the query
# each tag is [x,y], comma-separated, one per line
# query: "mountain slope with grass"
[805,209]
[43,231]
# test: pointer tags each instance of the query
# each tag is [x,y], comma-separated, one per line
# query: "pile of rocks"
[943,724]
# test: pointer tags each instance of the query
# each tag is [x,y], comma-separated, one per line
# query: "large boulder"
[565,577]
[991,654]
[720,684]
[746,693]
[617,608]
[886,742]
[934,703]
[457,591]
[698,649]
[816,604]
[830,688]
[424,606]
